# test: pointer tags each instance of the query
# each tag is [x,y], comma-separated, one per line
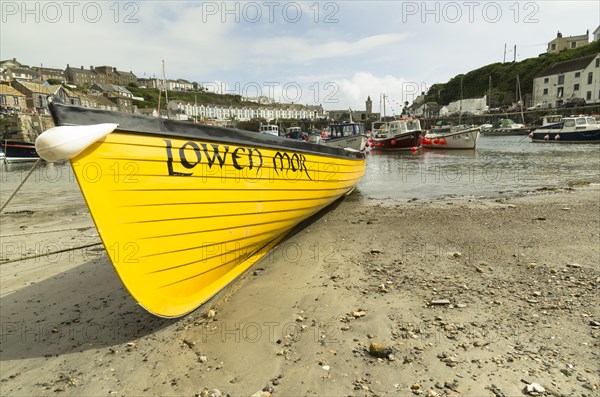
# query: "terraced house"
[563,81]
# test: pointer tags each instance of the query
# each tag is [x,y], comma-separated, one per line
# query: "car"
[298,135]
[574,102]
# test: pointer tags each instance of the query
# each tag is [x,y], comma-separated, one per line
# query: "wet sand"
[436,298]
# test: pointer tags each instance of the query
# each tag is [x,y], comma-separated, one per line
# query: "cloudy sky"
[333,53]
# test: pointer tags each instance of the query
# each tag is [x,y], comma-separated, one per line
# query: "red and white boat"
[402,134]
[458,137]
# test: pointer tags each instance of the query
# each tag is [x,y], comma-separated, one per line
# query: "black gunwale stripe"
[64,115]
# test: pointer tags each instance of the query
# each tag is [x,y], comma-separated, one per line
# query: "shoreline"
[464,297]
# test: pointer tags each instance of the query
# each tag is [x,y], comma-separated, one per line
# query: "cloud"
[355,90]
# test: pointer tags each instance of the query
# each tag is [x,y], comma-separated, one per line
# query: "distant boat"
[183,209]
[506,127]
[343,135]
[579,129]
[269,129]
[18,151]
[446,136]
[402,134]
[458,137]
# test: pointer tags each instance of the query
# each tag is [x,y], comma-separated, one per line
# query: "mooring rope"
[79,229]
[21,184]
[50,253]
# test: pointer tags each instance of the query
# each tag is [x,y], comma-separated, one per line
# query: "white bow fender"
[65,142]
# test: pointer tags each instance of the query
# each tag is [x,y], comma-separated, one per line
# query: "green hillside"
[504,78]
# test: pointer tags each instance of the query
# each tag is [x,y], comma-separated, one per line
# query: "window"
[15,101]
[553,46]
[573,44]
[2,100]
[559,92]
[545,91]
[576,87]
[546,80]
[578,74]
[590,77]
[597,62]
[561,79]
[588,96]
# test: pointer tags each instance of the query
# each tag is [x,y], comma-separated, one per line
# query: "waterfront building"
[36,94]
[121,96]
[576,78]
[10,98]
[83,76]
[561,43]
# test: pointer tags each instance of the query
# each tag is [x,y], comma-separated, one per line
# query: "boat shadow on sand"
[87,308]
[83,308]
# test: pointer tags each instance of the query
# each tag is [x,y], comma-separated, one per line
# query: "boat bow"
[65,142]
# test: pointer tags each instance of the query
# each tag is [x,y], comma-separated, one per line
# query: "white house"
[576,78]
[596,34]
[470,105]
[245,113]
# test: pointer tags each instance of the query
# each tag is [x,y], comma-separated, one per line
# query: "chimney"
[559,34]
[82,68]
[91,67]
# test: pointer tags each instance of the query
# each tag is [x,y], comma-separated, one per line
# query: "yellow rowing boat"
[183,209]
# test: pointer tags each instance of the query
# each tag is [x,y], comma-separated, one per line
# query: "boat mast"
[460,101]
[165,85]
[490,93]
[520,100]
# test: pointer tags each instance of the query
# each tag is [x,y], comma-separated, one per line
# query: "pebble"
[358,313]
[534,389]
[210,393]
[379,350]
[440,302]
[261,393]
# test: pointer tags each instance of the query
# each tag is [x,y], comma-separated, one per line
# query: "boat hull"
[184,209]
[464,139]
[559,136]
[355,142]
[17,151]
[406,141]
[506,132]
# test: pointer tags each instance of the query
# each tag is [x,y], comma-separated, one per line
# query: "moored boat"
[506,127]
[18,151]
[402,134]
[183,209]
[269,129]
[343,135]
[575,129]
[458,137]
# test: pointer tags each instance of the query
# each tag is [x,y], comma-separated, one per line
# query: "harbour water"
[500,166]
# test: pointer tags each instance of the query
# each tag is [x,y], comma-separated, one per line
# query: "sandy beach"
[434,298]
